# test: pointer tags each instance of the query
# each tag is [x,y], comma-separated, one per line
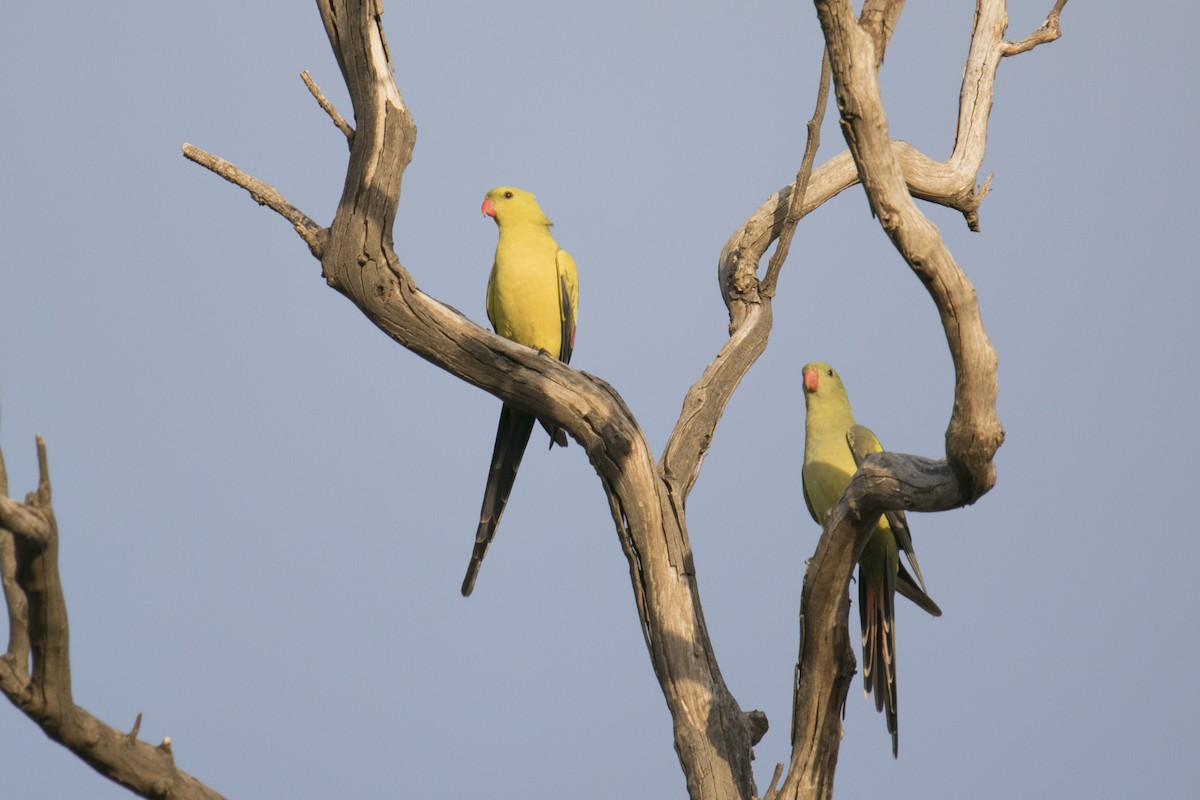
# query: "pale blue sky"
[266,506]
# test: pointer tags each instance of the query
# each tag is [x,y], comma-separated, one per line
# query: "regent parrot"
[532,297]
[834,447]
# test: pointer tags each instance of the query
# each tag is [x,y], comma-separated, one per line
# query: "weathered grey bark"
[713,736]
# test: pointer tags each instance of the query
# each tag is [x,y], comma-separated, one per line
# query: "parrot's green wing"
[906,586]
[808,501]
[862,443]
[568,300]
[568,290]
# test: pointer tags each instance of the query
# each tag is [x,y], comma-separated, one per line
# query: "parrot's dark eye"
[508,195]
[829,372]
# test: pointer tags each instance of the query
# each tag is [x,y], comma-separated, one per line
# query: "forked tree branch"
[974,432]
[748,301]
[892,481]
[713,736]
[878,19]
[953,182]
[1049,31]
[35,672]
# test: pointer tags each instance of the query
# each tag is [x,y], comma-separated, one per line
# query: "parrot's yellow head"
[511,206]
[821,381]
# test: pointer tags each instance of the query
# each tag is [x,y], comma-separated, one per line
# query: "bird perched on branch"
[532,298]
[834,447]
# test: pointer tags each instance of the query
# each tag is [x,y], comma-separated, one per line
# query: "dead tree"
[713,736]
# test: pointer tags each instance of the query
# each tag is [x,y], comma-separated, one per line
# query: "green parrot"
[532,297]
[834,447]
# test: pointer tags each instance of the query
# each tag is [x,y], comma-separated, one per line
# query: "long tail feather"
[512,437]
[558,436]
[876,609]
[906,586]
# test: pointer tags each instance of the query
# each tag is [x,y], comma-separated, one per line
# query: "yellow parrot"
[834,447]
[532,298]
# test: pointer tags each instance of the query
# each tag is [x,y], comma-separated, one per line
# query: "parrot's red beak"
[811,380]
[488,208]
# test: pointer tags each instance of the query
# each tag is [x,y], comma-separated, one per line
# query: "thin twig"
[796,201]
[263,194]
[1048,32]
[323,101]
[772,790]
[43,489]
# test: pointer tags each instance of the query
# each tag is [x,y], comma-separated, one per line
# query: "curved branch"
[746,297]
[950,183]
[891,481]
[1049,31]
[37,613]
[712,735]
[748,301]
[974,432]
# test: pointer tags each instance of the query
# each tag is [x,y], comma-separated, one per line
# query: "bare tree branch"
[713,736]
[14,598]
[263,194]
[892,481]
[796,198]
[327,106]
[37,614]
[950,183]
[1049,31]
[748,301]
[22,521]
[878,18]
